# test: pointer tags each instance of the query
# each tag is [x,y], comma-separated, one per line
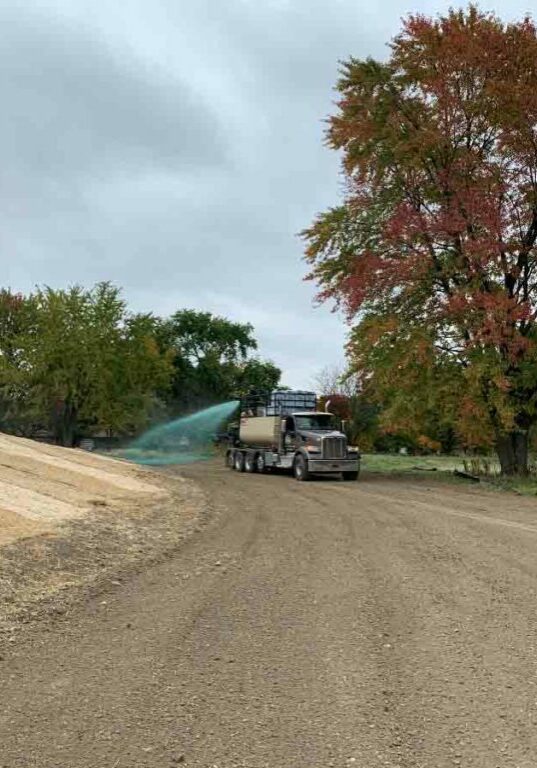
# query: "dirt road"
[311,625]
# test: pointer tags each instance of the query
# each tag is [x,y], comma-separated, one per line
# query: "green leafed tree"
[258,375]
[78,361]
[212,358]
[17,319]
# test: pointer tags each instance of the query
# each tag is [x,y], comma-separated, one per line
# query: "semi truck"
[285,430]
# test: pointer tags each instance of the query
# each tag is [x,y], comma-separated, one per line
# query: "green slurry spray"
[181,441]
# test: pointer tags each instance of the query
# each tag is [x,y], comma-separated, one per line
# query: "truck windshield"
[317,421]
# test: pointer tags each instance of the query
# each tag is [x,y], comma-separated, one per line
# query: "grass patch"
[443,468]
[393,463]
[524,486]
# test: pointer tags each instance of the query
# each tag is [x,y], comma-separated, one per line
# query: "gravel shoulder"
[377,624]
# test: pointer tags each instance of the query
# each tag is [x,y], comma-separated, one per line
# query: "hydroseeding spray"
[181,441]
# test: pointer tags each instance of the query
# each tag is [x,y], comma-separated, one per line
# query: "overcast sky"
[174,147]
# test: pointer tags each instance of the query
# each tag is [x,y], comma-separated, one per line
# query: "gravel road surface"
[369,624]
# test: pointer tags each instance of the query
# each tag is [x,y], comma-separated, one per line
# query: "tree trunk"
[512,449]
[65,426]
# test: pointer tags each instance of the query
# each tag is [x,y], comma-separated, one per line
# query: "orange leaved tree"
[433,251]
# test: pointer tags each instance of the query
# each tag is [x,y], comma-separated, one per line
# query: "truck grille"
[334,447]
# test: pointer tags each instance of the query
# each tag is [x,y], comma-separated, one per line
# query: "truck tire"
[350,475]
[250,462]
[239,461]
[300,468]
[230,460]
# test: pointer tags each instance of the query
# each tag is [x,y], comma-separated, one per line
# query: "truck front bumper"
[333,465]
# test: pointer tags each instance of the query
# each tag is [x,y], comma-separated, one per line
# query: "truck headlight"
[313,449]
[353,449]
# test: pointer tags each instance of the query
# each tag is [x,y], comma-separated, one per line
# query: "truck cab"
[310,428]
[318,444]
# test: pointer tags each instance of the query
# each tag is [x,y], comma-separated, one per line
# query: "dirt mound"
[72,521]
[41,486]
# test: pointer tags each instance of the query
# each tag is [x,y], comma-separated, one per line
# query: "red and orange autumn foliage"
[339,405]
[433,251]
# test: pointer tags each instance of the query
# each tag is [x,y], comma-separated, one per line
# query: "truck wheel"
[260,464]
[350,475]
[230,460]
[300,468]
[250,463]
[239,461]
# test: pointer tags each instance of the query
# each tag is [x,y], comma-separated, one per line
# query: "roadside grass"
[442,468]
[392,463]
[523,486]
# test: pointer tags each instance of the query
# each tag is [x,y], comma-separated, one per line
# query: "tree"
[79,361]
[17,318]
[201,336]
[336,380]
[433,250]
[412,392]
[211,357]
[258,375]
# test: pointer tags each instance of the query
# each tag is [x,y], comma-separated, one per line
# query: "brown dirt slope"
[70,519]
[43,485]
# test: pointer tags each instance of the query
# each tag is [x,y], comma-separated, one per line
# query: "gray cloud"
[175,147]
[73,105]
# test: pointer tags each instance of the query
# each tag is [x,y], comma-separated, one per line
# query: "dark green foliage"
[211,359]
[75,363]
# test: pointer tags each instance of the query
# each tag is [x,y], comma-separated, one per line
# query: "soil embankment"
[69,520]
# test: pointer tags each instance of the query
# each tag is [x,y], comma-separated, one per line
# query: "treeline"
[77,363]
